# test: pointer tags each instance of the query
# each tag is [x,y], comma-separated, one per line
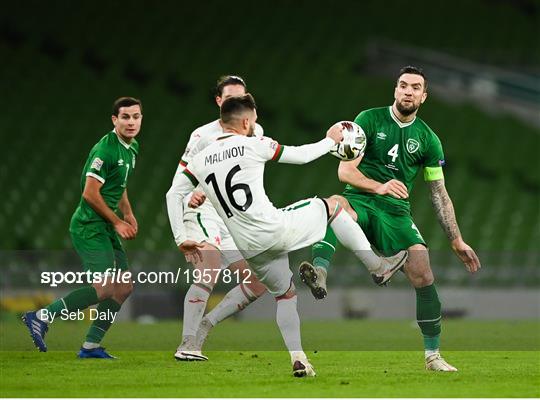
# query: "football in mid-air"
[353,144]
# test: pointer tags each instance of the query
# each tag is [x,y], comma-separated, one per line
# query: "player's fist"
[394,188]
[335,132]
[191,250]
[125,230]
[197,199]
[130,219]
[466,254]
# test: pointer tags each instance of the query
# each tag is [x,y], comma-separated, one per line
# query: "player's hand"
[197,199]
[192,251]
[335,133]
[466,254]
[130,219]
[394,188]
[125,230]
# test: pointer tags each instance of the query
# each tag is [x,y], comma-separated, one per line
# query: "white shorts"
[208,227]
[304,224]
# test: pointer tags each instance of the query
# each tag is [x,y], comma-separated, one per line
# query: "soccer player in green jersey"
[399,145]
[95,230]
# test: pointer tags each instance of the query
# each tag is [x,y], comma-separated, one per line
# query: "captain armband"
[433,173]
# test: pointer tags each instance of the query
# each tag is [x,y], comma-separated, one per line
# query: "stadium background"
[308,65]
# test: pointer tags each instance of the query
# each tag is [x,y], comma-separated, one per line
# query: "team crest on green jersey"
[412,145]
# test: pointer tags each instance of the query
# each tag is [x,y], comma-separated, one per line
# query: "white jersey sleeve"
[266,148]
[183,184]
[306,153]
[269,149]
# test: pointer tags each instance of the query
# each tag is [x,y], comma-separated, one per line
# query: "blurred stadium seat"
[63,72]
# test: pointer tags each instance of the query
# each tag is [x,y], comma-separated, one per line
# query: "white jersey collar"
[397,121]
[127,146]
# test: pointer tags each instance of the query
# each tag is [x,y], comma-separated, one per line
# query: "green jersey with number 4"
[110,161]
[397,150]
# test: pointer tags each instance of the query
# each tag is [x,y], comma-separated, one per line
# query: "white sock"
[298,356]
[352,236]
[238,298]
[289,323]
[194,305]
[428,353]
[90,345]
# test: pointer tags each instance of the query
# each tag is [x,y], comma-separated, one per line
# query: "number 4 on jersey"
[393,152]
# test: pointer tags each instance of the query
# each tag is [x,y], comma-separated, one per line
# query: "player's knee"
[421,277]
[289,294]
[123,290]
[104,291]
[256,287]
[331,202]
[423,280]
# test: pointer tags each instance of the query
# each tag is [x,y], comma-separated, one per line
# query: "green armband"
[433,173]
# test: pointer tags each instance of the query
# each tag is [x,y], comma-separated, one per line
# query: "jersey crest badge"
[97,164]
[412,145]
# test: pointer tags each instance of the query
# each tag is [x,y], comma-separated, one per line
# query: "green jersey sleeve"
[98,164]
[366,122]
[433,159]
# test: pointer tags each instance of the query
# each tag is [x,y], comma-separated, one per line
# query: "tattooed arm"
[444,209]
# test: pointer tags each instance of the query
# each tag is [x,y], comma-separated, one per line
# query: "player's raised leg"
[351,235]
[428,306]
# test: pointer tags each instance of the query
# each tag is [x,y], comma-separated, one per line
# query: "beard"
[406,109]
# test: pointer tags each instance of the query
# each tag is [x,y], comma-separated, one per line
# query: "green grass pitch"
[247,359]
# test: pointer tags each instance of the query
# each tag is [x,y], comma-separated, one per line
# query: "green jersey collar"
[127,146]
[397,121]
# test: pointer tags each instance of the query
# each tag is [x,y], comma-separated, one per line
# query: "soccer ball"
[353,144]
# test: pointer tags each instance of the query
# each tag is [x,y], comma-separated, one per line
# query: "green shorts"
[388,228]
[98,246]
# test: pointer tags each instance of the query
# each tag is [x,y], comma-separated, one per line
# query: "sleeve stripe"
[183,163]
[191,177]
[433,173]
[277,154]
[96,176]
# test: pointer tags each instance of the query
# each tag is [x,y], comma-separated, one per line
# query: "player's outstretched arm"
[309,152]
[444,209]
[92,195]
[349,173]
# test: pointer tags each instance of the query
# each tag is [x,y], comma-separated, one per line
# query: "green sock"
[323,251]
[99,327]
[428,316]
[78,299]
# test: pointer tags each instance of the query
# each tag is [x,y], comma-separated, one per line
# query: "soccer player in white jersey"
[230,171]
[219,251]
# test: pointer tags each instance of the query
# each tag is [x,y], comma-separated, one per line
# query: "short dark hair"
[226,80]
[125,102]
[234,106]
[409,69]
